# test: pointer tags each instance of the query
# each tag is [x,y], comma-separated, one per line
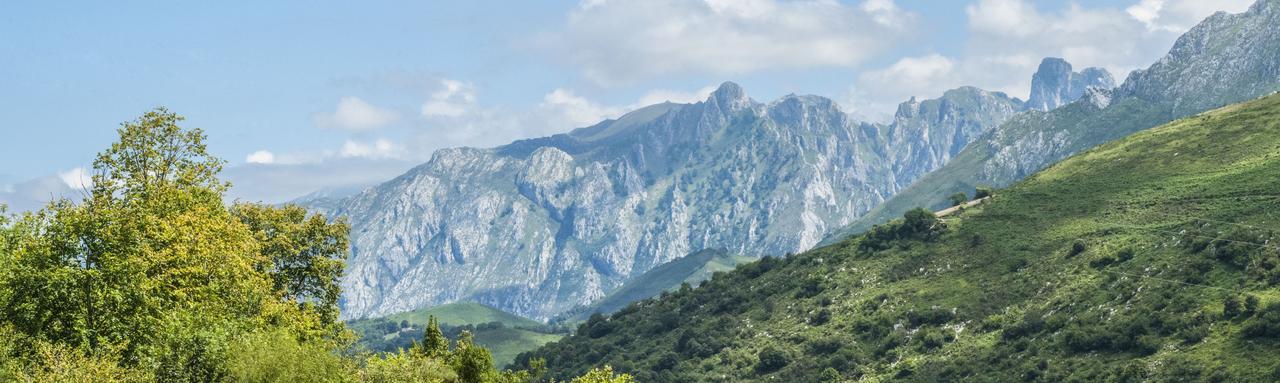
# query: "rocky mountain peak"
[729,96]
[1055,84]
[1225,58]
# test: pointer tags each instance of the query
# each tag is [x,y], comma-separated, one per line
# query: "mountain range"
[544,225]
[1147,259]
[1227,58]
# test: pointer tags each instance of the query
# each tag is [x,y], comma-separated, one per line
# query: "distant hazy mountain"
[1227,58]
[543,225]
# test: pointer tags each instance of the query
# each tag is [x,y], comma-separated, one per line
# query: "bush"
[820,318]
[958,198]
[1265,325]
[983,192]
[1077,247]
[403,367]
[277,356]
[916,224]
[1231,306]
[772,359]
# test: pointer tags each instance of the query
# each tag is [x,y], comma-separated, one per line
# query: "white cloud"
[1010,37]
[658,96]
[1180,15]
[260,157]
[622,41]
[355,114]
[378,149]
[77,179]
[454,99]
[35,193]
[576,110]
[279,182]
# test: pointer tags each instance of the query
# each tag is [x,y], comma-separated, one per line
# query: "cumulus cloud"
[355,114]
[621,41]
[76,179]
[454,99]
[35,193]
[260,157]
[377,149]
[576,110]
[1180,15]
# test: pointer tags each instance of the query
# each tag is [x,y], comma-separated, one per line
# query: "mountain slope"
[1147,258]
[505,335]
[1225,59]
[544,225]
[691,269]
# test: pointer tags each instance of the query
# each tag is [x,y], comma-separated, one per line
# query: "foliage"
[153,278]
[603,375]
[983,192]
[958,198]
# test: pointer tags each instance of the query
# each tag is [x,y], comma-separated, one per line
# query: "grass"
[690,269]
[515,335]
[1000,295]
[464,313]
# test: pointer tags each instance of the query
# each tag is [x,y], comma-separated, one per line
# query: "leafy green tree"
[1231,306]
[473,363]
[958,199]
[983,192]
[1251,303]
[603,375]
[772,359]
[152,269]
[304,255]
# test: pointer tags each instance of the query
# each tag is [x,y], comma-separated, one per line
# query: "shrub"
[958,198]
[277,356]
[1231,306]
[1265,325]
[983,192]
[1077,247]
[772,359]
[820,318]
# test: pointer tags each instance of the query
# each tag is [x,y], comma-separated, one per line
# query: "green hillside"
[464,313]
[691,269]
[1147,258]
[504,334]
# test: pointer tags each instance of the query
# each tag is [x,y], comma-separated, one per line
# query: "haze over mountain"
[543,225]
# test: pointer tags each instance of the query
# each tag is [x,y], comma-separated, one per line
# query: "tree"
[152,268]
[1251,303]
[1231,306]
[958,199]
[983,192]
[771,359]
[919,223]
[304,255]
[603,375]
[434,344]
[473,363]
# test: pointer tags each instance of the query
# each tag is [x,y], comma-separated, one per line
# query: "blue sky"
[304,95]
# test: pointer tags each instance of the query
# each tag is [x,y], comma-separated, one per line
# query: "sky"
[303,96]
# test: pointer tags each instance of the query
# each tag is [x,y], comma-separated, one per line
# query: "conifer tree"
[434,344]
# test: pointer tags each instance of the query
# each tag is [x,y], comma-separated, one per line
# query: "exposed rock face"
[1054,84]
[1227,58]
[543,225]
